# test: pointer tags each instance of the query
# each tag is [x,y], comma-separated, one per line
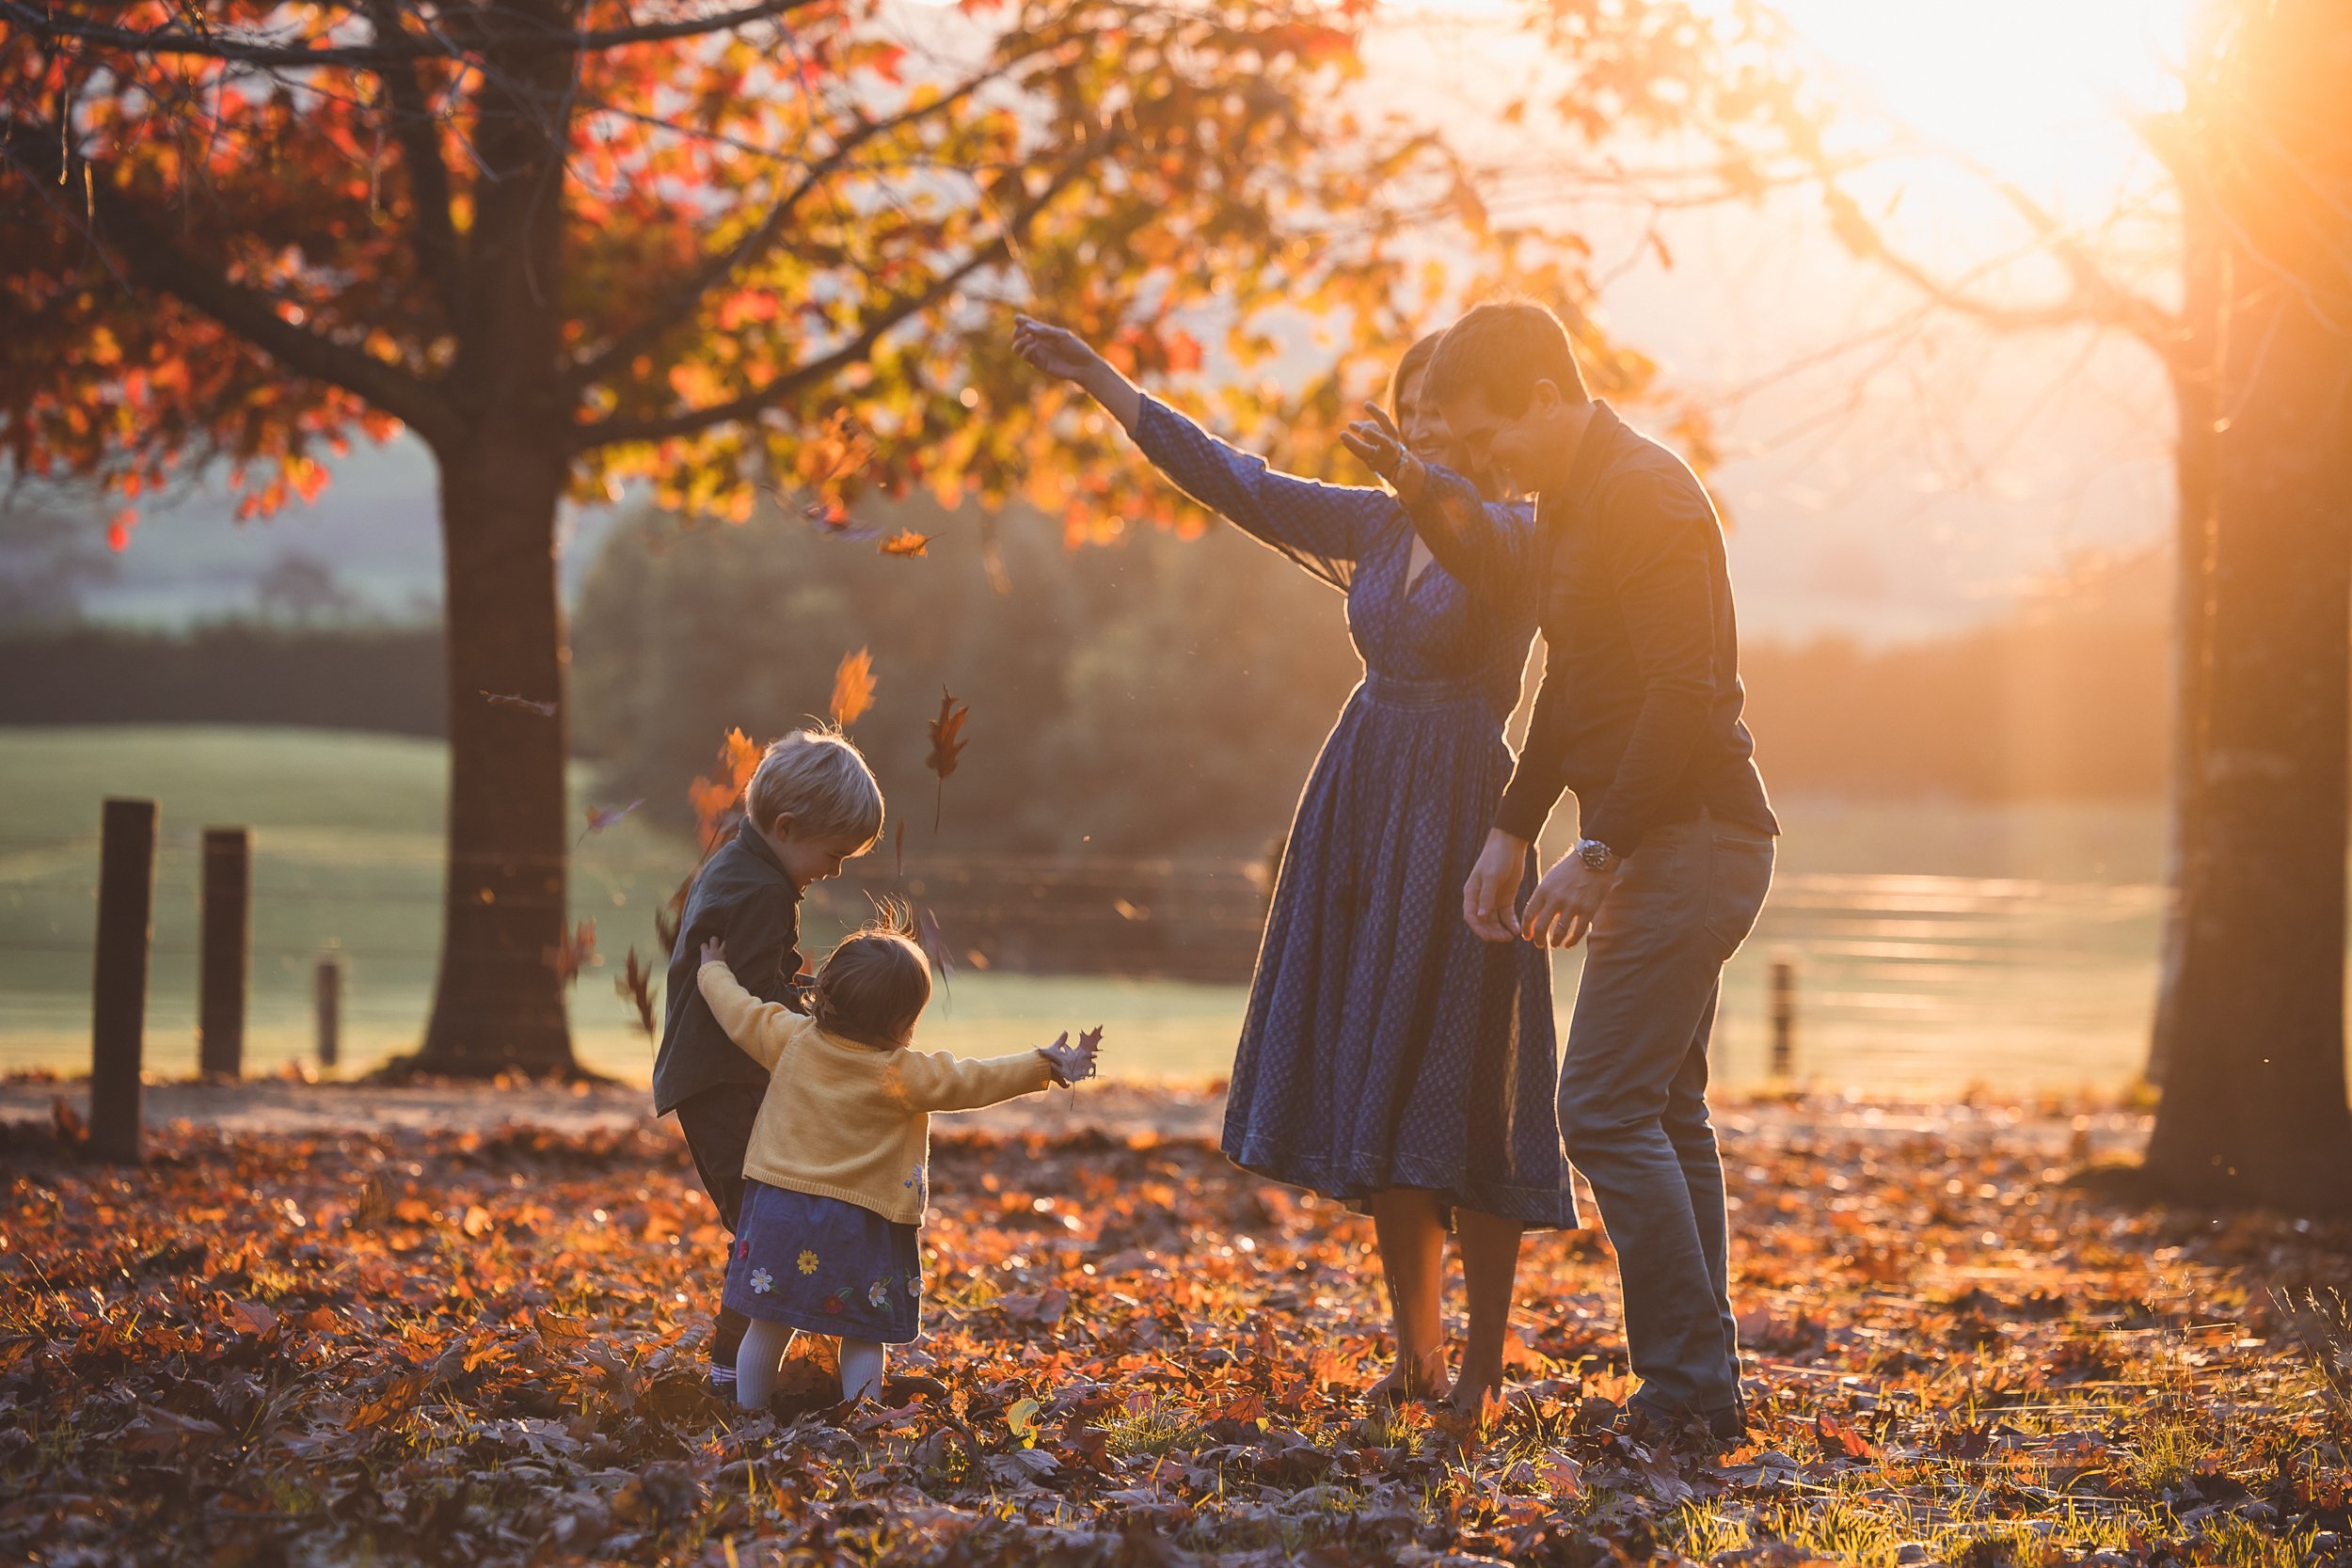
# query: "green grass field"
[1936,945]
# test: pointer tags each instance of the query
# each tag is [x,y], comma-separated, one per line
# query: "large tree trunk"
[499,1002]
[2190,365]
[2254,1106]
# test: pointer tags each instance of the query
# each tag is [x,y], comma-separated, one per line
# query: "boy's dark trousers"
[718,1127]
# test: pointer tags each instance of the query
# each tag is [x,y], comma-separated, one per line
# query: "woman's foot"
[1471,1390]
[1420,1377]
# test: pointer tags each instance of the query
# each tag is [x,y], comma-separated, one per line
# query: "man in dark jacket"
[812,804]
[1639,716]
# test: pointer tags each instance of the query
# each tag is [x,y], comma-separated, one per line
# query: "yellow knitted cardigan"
[852,1121]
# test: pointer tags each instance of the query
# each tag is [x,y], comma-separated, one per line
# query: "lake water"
[1934,945]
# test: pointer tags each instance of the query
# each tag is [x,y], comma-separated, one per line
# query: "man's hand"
[714,951]
[1493,888]
[1072,1064]
[1564,902]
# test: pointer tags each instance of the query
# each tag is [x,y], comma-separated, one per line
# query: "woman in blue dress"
[1389,1059]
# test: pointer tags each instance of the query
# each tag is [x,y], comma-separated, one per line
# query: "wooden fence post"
[126,909]
[1784,1014]
[330,997]
[222,971]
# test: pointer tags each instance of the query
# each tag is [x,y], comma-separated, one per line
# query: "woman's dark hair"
[875,983]
[1499,351]
[1416,360]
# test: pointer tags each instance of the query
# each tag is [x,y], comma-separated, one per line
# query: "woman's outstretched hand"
[1072,1064]
[1056,351]
[1380,447]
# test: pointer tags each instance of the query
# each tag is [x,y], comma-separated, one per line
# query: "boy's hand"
[1072,1064]
[714,951]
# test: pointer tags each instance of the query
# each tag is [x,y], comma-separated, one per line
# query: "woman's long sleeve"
[1325,528]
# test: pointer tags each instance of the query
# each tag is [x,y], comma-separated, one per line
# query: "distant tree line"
[1160,696]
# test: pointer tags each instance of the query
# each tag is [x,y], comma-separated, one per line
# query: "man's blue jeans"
[1633,1098]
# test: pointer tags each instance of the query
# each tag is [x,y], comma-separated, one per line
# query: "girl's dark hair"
[875,983]
[1416,360]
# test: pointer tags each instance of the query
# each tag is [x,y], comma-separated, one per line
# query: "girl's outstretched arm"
[759,1029]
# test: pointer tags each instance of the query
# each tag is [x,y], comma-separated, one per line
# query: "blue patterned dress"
[1386,1045]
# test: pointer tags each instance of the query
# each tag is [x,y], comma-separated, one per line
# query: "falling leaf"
[853,687]
[934,945]
[898,844]
[947,745]
[906,542]
[574,952]
[602,818]
[634,984]
[70,1129]
[713,798]
[507,699]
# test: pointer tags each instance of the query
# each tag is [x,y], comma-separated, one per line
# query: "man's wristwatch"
[1596,855]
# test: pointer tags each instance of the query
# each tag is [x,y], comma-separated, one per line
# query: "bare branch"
[2095,299]
[809,374]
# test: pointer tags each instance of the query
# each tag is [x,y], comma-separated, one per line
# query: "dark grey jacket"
[1640,710]
[742,897]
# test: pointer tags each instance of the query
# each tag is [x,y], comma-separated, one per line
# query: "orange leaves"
[906,542]
[713,798]
[852,687]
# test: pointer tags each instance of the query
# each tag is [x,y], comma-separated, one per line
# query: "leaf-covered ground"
[483,1347]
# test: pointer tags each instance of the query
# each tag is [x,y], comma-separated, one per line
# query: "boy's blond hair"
[818,778]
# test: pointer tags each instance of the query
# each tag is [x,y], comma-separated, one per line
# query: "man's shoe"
[1729,1425]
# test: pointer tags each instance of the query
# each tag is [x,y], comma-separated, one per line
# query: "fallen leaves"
[852,687]
[486,1347]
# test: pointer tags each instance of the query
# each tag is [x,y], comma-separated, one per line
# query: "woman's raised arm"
[1322,527]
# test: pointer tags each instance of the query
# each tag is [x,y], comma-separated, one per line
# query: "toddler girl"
[835,1176]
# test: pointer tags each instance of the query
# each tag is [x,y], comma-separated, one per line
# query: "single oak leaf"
[602,818]
[634,984]
[906,542]
[947,745]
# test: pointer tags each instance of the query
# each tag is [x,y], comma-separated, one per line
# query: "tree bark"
[2254,1098]
[2191,367]
[498,1004]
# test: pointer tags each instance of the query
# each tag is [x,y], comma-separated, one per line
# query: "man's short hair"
[819,779]
[1499,351]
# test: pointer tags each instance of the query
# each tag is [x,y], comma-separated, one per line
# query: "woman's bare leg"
[1412,1264]
[1490,1267]
[756,1360]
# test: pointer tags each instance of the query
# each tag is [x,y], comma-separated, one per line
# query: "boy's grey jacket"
[742,897]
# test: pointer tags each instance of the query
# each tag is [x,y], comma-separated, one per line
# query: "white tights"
[764,1344]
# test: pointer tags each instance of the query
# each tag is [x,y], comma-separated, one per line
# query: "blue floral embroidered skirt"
[826,1266]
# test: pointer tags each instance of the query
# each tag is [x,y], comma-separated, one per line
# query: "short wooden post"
[1784,1015]
[221,972]
[126,910]
[329,996]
